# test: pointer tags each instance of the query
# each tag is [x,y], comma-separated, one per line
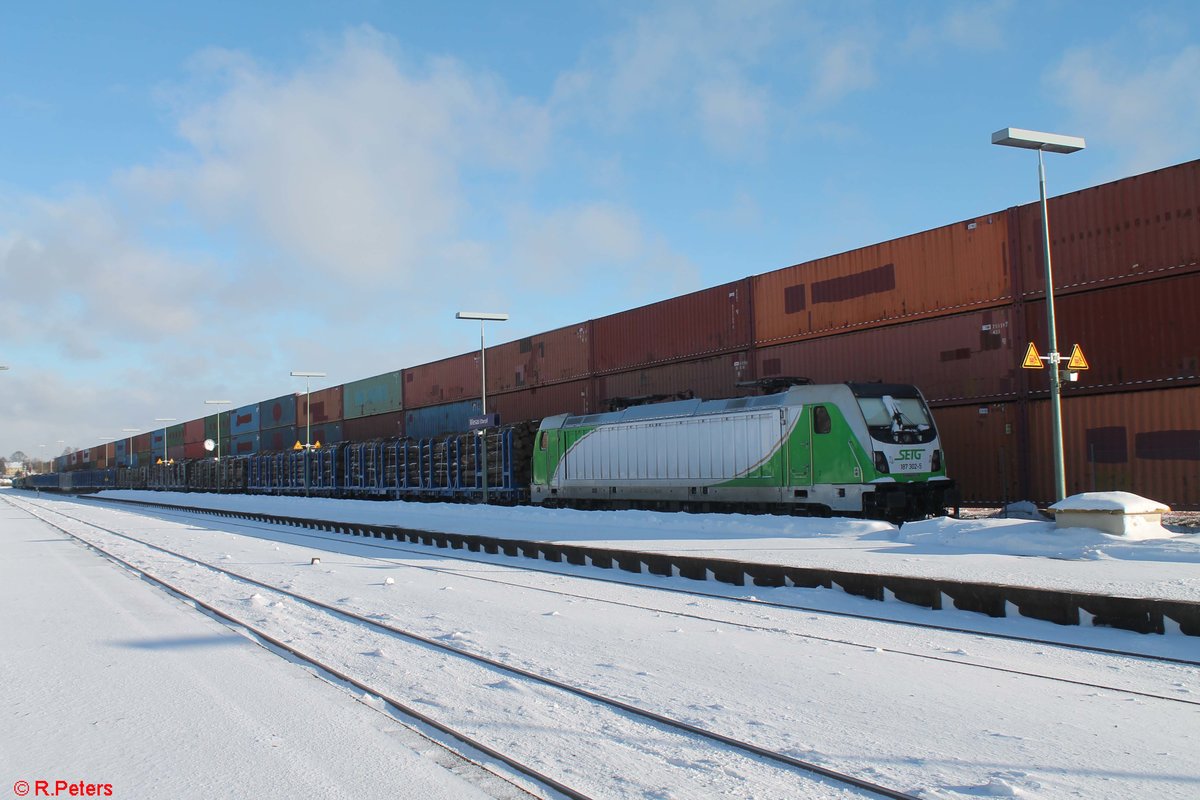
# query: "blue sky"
[196,199]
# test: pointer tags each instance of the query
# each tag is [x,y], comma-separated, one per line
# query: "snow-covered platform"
[998,567]
[112,682]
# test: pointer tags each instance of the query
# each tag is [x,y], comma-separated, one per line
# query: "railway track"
[1143,615]
[609,724]
[250,521]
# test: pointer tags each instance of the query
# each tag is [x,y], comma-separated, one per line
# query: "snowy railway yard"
[598,683]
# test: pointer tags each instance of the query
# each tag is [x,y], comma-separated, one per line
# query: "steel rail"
[323,525]
[651,716]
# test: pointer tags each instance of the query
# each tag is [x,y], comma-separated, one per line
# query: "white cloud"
[1151,115]
[351,166]
[844,67]
[569,247]
[695,61]
[964,26]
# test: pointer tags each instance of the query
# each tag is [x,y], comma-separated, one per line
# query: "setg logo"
[910,455]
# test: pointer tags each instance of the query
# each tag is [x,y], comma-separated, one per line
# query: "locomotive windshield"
[896,416]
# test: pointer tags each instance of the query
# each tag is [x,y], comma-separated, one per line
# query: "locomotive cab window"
[821,421]
[542,441]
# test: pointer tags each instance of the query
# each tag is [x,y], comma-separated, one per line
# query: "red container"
[1118,232]
[196,450]
[326,407]
[141,443]
[1133,335]
[707,322]
[376,426]
[965,357]
[193,431]
[175,452]
[446,381]
[539,402]
[559,355]
[942,271]
[709,378]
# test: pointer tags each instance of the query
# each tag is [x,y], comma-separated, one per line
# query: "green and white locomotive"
[857,448]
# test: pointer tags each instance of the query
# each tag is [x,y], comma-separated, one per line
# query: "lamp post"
[219,403]
[483,317]
[61,441]
[308,376]
[43,449]
[1054,143]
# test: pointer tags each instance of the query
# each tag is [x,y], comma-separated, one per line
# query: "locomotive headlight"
[937,461]
[881,463]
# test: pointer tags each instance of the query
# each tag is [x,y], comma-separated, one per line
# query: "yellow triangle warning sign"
[1077,361]
[317,445]
[297,445]
[1032,359]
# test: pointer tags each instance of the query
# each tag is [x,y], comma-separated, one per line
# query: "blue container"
[273,439]
[277,413]
[244,444]
[324,432]
[245,420]
[431,421]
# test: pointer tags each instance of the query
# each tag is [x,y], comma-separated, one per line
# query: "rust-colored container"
[539,402]
[141,443]
[563,354]
[326,407]
[1118,232]
[965,357]
[376,426]
[707,322]
[100,456]
[982,451]
[193,432]
[175,452]
[1147,443]
[709,378]
[1133,335]
[446,381]
[196,450]
[943,271]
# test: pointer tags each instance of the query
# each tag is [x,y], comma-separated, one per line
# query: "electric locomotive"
[859,448]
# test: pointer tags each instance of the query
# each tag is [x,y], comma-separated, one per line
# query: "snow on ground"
[1016,551]
[914,708]
[115,683]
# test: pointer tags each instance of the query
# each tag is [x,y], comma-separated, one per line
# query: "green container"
[378,395]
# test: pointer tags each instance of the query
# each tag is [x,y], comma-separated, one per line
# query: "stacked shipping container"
[950,309]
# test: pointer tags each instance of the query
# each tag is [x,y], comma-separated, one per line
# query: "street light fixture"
[307,417]
[483,317]
[1053,143]
[219,437]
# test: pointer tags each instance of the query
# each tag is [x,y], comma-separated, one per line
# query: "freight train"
[868,449]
